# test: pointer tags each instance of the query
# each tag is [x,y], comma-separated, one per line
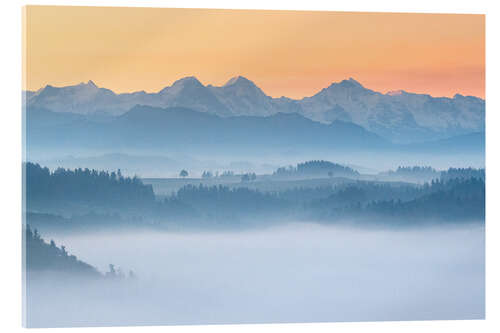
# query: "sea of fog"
[294,273]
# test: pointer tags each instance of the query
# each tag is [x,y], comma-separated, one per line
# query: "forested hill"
[460,199]
[316,168]
[42,256]
[453,200]
[463,173]
[88,199]
[84,186]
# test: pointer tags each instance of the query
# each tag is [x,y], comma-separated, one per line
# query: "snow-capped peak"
[352,82]
[240,80]
[395,92]
[187,80]
[91,83]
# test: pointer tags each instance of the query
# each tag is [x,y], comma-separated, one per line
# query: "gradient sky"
[290,53]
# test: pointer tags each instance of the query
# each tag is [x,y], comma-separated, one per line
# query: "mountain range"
[179,128]
[157,130]
[400,116]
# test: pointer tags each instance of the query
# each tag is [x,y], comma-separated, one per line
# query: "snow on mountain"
[80,98]
[399,116]
[395,93]
[243,97]
[191,93]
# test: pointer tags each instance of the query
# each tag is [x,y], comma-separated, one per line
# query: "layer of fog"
[154,165]
[295,273]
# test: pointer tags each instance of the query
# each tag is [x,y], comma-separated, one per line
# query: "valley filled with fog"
[292,273]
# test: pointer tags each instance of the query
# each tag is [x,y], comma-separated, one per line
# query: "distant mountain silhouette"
[182,129]
[467,143]
[398,116]
[151,127]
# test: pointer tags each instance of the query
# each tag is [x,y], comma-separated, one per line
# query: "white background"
[10,159]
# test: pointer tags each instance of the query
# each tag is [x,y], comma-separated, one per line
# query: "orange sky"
[290,53]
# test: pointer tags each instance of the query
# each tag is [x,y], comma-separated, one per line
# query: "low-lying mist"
[153,164]
[293,273]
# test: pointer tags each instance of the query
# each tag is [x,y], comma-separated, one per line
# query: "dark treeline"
[415,170]
[424,174]
[412,173]
[318,168]
[458,195]
[458,199]
[42,256]
[85,186]
[48,257]
[454,199]
[364,192]
[350,191]
[221,202]
[463,173]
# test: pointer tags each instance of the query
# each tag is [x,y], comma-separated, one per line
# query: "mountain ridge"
[175,127]
[180,129]
[231,80]
[402,117]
